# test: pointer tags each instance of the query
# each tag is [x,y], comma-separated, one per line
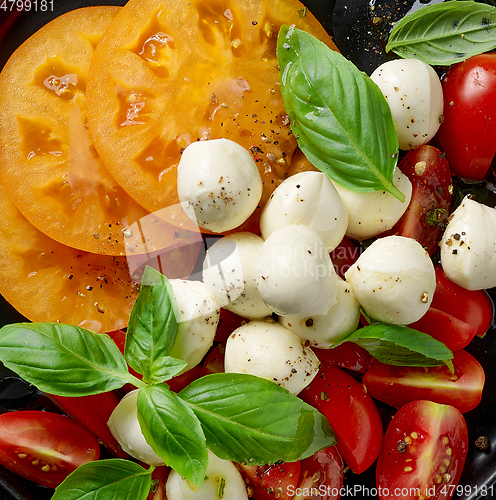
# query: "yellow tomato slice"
[47,281]
[49,165]
[171,72]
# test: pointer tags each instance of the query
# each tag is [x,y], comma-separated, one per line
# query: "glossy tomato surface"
[351,412]
[425,447]
[467,132]
[428,211]
[44,447]
[397,385]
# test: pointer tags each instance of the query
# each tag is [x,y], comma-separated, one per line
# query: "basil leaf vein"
[152,328]
[400,345]
[106,480]
[339,116]
[173,431]
[62,359]
[250,419]
[446,33]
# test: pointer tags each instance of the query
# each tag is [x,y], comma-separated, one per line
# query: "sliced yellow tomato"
[171,72]
[47,281]
[49,166]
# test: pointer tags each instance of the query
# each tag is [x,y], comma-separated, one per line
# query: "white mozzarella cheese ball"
[307,198]
[228,271]
[294,273]
[270,351]
[220,181]
[323,331]
[198,320]
[124,426]
[468,247]
[415,96]
[393,280]
[372,213]
[222,480]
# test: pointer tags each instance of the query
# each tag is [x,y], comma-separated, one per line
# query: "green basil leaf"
[65,360]
[253,420]
[152,327]
[445,33]
[106,480]
[173,431]
[339,116]
[401,345]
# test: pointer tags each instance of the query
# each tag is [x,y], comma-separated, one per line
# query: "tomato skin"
[471,306]
[267,482]
[60,443]
[351,412]
[430,206]
[93,412]
[467,132]
[398,385]
[214,362]
[347,355]
[323,471]
[419,439]
[228,322]
[344,256]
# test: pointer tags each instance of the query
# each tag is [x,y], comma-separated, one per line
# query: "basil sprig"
[239,417]
[401,346]
[446,33]
[339,116]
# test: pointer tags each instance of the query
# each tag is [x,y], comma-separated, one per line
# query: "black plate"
[349,21]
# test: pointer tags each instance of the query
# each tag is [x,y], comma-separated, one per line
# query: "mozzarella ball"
[468,247]
[124,426]
[270,351]
[372,213]
[228,271]
[393,280]
[222,480]
[307,198]
[323,331]
[415,96]
[294,273]
[219,180]
[198,319]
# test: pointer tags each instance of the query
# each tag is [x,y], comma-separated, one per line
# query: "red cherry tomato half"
[214,362]
[469,127]
[93,412]
[423,454]
[267,482]
[351,412]
[471,306]
[398,385]
[347,355]
[429,208]
[344,256]
[44,447]
[228,322]
[321,476]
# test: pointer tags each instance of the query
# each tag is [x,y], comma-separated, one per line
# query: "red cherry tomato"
[159,480]
[344,256]
[398,385]
[351,412]
[321,476]
[93,412]
[442,326]
[214,362]
[430,205]
[267,482]
[471,306]
[423,454]
[44,447]
[469,127]
[347,355]
[228,322]
[179,382]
